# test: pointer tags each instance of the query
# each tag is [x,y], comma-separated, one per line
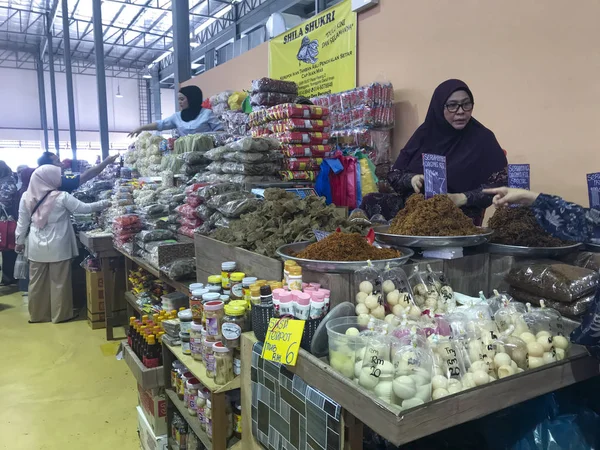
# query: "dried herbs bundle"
[283,218]
[436,216]
[346,247]
[518,226]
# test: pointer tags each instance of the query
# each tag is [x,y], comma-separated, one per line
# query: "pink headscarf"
[44,179]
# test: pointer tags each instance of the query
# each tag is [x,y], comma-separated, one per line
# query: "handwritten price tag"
[283,341]
[434,172]
[593,182]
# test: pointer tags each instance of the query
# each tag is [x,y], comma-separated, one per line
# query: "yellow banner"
[320,54]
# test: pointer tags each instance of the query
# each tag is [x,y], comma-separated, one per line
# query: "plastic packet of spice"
[219,200]
[560,282]
[573,310]
[211,190]
[180,268]
[250,169]
[425,289]
[306,151]
[252,158]
[204,212]
[588,260]
[272,85]
[281,126]
[155,235]
[216,154]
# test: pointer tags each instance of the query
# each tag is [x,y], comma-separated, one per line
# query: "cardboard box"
[154,404]
[149,440]
[147,378]
[96,320]
[95,291]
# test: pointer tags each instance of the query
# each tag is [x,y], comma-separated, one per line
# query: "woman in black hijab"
[474,159]
[191,119]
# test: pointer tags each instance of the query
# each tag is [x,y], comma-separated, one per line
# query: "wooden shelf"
[130,298]
[198,369]
[192,421]
[180,286]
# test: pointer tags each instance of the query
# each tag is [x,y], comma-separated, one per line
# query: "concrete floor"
[61,387]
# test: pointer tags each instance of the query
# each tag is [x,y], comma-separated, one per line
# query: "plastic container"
[214,284]
[345,350]
[181,387]
[197,341]
[327,294]
[286,270]
[223,364]
[317,305]
[237,420]
[185,321]
[255,294]
[246,283]
[195,286]
[302,306]
[210,358]
[175,367]
[227,268]
[286,304]
[237,363]
[237,288]
[276,302]
[295,278]
[196,304]
[203,396]
[185,343]
[208,297]
[192,386]
[174,301]
[234,324]
[214,313]
[208,419]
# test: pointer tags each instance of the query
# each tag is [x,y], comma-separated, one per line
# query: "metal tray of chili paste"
[396,240]
[532,252]
[288,251]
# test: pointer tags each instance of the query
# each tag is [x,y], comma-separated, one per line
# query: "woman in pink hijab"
[45,234]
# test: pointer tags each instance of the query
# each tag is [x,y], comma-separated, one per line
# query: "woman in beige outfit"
[45,233]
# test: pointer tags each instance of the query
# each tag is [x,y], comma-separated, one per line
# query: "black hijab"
[473,154]
[194,98]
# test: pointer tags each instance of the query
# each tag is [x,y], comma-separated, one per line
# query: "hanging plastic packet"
[375,372]
[413,363]
[449,366]
[398,295]
[545,341]
[369,300]
[426,295]
[509,315]
[446,300]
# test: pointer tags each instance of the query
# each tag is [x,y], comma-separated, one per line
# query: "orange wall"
[533,66]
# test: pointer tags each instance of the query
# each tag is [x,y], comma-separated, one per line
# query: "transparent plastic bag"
[413,364]
[217,201]
[211,190]
[574,310]
[271,85]
[448,366]
[21,267]
[216,154]
[249,169]
[253,144]
[369,299]
[204,212]
[180,268]
[375,372]
[509,316]
[398,294]
[187,211]
[560,282]
[155,235]
[235,208]
[215,167]
[252,158]
[426,295]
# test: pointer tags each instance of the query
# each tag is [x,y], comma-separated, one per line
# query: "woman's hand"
[458,199]
[135,133]
[417,183]
[510,196]
[19,248]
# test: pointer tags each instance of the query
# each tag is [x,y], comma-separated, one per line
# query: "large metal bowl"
[396,240]
[287,251]
[593,247]
[532,252]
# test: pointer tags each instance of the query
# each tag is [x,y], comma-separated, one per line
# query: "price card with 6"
[282,343]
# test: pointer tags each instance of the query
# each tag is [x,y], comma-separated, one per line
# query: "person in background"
[72,182]
[191,118]
[20,169]
[45,226]
[25,176]
[474,159]
[8,195]
[570,222]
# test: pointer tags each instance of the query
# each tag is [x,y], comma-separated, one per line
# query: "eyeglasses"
[453,107]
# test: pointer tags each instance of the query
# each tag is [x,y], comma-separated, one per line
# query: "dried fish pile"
[283,218]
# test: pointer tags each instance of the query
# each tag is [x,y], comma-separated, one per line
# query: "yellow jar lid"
[214,279]
[237,276]
[289,263]
[234,310]
[241,303]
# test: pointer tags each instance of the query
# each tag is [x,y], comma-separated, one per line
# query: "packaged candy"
[307,151]
[303,163]
[299,137]
[298,175]
[284,125]
[271,85]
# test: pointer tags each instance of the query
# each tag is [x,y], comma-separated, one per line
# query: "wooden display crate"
[210,253]
[147,378]
[101,246]
[401,427]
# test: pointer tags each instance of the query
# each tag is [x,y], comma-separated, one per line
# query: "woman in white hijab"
[45,233]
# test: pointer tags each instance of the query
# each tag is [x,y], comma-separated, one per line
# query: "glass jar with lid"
[208,419]
[185,320]
[209,362]
[246,283]
[227,268]
[201,398]
[234,324]
[214,313]
[237,288]
[214,284]
[196,304]
[223,364]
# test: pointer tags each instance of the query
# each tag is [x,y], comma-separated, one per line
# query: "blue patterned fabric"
[566,220]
